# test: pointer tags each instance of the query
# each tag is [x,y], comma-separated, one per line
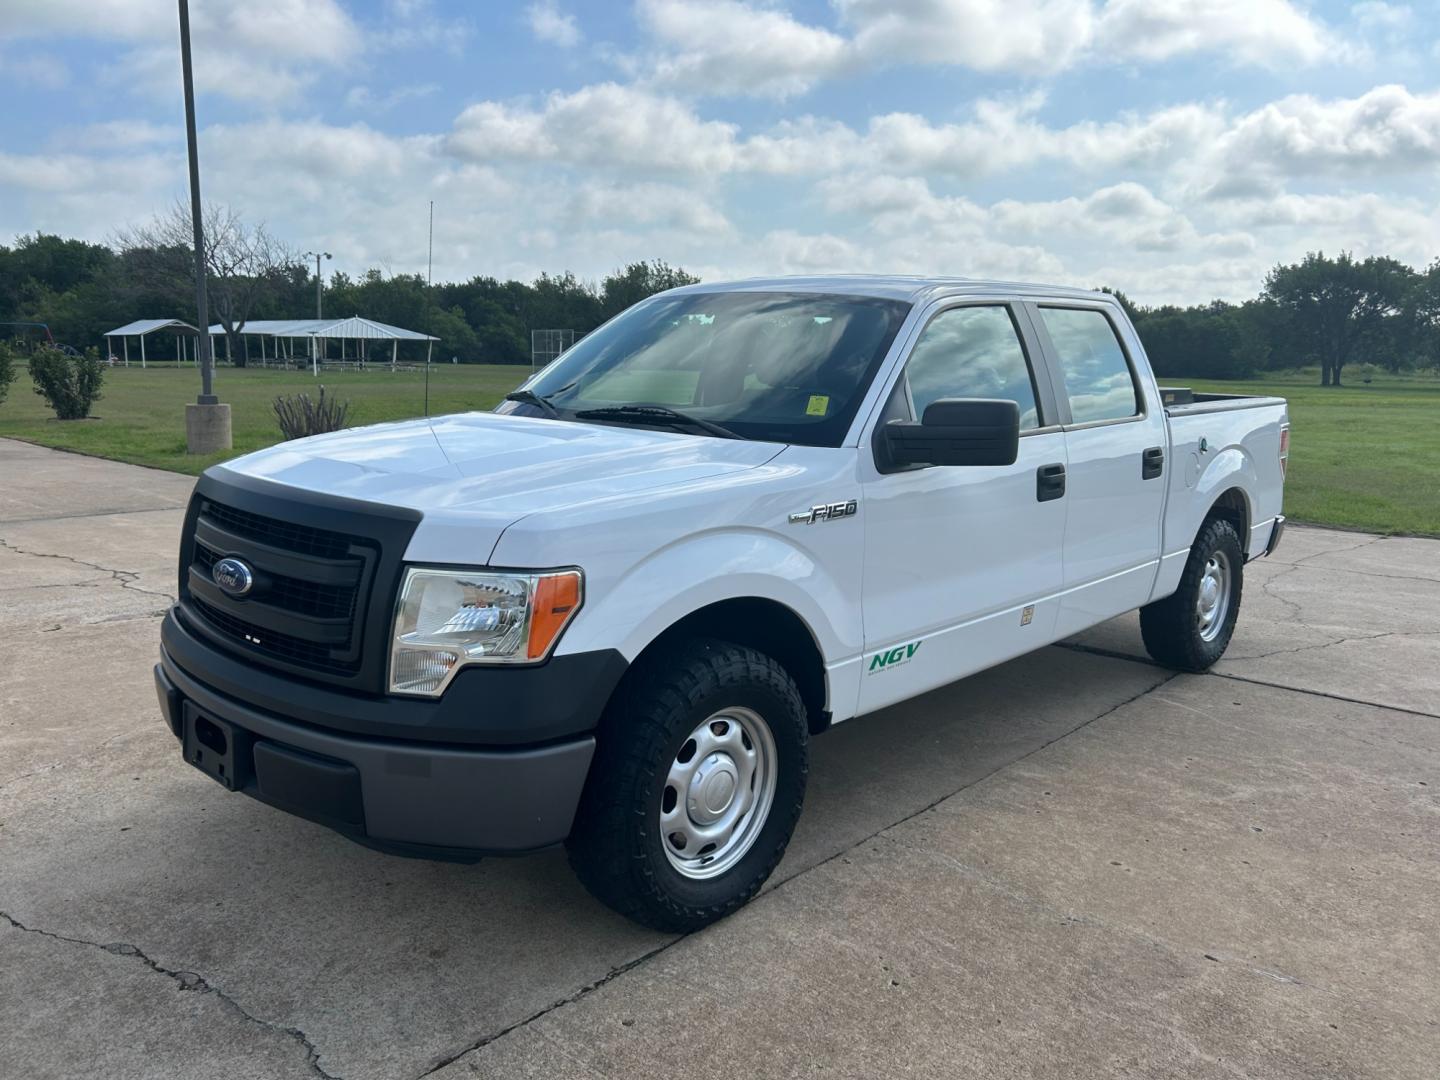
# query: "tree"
[1423,317]
[7,370]
[637,281]
[243,264]
[1339,308]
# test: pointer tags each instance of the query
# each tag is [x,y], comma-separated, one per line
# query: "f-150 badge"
[827,512]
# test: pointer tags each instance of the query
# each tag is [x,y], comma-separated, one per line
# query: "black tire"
[1172,628]
[616,847]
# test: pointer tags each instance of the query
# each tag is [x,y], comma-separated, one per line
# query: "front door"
[962,563]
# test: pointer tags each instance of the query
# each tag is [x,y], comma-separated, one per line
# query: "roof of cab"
[893,287]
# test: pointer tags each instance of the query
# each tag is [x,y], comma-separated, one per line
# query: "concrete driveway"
[1075,865]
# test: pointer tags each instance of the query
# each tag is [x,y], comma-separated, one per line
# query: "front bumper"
[412,796]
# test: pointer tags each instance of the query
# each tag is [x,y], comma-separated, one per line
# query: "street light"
[207,422]
[317,256]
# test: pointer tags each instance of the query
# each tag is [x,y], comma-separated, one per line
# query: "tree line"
[1325,311]
[81,289]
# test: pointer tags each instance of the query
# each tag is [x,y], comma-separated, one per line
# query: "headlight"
[446,619]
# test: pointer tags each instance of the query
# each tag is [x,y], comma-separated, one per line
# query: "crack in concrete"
[33,772]
[1115,654]
[126,578]
[615,973]
[1331,644]
[188,980]
[1340,550]
[1322,694]
[1295,609]
[583,992]
[92,514]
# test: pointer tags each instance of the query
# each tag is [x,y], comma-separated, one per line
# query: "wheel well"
[1234,508]
[771,628]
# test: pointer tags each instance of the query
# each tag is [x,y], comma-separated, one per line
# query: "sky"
[1175,149]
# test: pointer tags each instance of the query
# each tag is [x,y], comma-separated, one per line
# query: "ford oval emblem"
[234,577]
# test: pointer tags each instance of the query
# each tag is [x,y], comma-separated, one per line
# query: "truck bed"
[1219,442]
[1182,401]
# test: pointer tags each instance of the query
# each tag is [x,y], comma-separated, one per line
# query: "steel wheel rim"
[718,793]
[1212,602]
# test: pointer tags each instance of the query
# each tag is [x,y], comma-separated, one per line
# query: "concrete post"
[207,428]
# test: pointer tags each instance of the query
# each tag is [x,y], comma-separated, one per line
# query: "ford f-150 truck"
[612,612]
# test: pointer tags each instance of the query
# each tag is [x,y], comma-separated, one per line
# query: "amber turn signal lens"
[557,598]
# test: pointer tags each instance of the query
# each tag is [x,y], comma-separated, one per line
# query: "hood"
[482,471]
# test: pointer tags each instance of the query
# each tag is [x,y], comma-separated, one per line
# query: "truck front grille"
[315,608]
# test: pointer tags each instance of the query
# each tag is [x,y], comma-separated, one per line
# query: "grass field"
[141,417]
[1363,457]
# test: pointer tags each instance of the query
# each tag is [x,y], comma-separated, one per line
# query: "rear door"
[962,563]
[1115,444]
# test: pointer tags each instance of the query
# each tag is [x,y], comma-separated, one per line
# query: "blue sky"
[1173,148]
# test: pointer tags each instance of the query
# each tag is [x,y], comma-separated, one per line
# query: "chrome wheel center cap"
[712,789]
[1209,593]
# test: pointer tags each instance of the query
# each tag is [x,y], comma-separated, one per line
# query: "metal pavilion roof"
[141,327]
[351,328]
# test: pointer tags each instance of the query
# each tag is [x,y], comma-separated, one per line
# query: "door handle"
[1152,463]
[1049,482]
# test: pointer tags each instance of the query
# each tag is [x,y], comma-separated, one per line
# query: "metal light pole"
[317,255]
[207,422]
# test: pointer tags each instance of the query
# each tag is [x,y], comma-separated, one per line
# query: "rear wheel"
[698,779]
[1191,629]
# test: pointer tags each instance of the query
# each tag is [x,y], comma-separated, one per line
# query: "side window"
[971,352]
[1097,378]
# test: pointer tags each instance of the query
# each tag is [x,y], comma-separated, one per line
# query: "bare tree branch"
[243,263]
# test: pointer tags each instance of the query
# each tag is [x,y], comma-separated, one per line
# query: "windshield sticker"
[893,658]
[819,405]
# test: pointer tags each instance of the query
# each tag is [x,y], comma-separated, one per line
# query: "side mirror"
[954,431]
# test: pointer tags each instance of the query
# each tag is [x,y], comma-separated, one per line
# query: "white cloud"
[729,47]
[1386,131]
[598,205]
[363,98]
[1268,33]
[987,35]
[261,51]
[549,24]
[1203,148]
[606,125]
[1378,14]
[747,47]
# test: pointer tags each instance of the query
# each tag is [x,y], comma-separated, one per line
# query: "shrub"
[69,384]
[7,370]
[299,415]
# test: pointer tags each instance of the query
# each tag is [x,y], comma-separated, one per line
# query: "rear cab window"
[1099,382]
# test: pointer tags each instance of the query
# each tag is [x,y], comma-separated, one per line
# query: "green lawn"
[1363,457]
[141,417]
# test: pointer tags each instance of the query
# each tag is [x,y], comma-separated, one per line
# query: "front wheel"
[698,779]
[1191,629]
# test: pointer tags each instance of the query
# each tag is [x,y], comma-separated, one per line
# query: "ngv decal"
[890,658]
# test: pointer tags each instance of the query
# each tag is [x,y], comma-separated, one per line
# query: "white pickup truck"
[613,612]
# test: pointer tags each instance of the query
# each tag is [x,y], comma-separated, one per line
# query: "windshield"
[779,367]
